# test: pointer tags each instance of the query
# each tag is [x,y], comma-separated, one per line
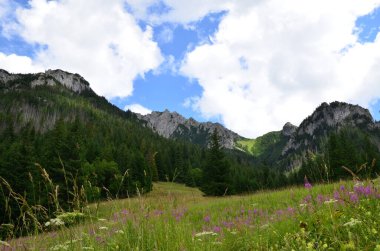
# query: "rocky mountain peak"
[288,129]
[173,125]
[325,118]
[335,114]
[74,82]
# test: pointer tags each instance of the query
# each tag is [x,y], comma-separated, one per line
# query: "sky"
[250,65]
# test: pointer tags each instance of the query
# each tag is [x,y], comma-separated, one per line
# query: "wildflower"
[205,233]
[303,205]
[88,248]
[354,197]
[119,231]
[103,228]
[207,218]
[352,222]
[60,247]
[55,222]
[330,201]
[358,184]
[342,188]
[217,229]
[101,219]
[307,183]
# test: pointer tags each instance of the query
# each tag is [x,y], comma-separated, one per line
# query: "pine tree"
[216,171]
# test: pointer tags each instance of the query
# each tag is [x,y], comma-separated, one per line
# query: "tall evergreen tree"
[216,171]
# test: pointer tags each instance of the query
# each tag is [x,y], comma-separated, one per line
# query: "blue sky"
[194,56]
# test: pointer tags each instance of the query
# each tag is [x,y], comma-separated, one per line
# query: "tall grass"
[340,216]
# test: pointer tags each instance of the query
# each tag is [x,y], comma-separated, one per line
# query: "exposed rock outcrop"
[327,118]
[73,82]
[288,129]
[173,125]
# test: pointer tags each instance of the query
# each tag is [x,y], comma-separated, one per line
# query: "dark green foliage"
[348,148]
[216,172]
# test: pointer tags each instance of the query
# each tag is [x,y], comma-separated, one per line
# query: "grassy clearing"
[341,216]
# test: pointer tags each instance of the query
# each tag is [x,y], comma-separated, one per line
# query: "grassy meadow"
[339,216]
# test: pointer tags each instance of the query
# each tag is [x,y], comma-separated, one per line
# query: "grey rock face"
[325,118]
[73,82]
[6,76]
[173,125]
[289,129]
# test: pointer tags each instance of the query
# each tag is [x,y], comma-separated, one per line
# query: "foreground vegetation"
[339,216]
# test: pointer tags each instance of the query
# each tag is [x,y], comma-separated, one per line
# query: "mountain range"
[274,147]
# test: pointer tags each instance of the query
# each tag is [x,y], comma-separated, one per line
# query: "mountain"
[328,118]
[174,126]
[56,120]
[287,148]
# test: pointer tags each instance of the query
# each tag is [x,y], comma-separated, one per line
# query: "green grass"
[259,145]
[175,217]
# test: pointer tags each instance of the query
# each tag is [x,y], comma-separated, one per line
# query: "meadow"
[338,216]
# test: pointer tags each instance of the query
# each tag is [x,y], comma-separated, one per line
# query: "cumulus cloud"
[18,64]
[98,39]
[176,11]
[274,61]
[137,108]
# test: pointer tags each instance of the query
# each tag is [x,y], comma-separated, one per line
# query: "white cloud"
[274,61]
[137,108]
[177,11]
[18,64]
[98,39]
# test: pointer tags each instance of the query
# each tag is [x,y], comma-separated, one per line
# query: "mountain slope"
[174,126]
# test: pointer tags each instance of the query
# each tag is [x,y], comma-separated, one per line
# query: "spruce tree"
[216,171]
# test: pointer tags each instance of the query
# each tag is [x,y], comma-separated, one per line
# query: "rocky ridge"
[173,125]
[326,118]
[73,82]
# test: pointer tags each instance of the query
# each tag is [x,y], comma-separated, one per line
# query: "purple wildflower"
[354,197]
[320,198]
[207,218]
[336,195]
[217,229]
[342,188]
[307,183]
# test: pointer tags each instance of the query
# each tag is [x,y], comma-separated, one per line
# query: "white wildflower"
[55,222]
[204,233]
[119,231]
[102,219]
[358,184]
[103,228]
[60,247]
[303,205]
[88,248]
[330,201]
[352,222]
